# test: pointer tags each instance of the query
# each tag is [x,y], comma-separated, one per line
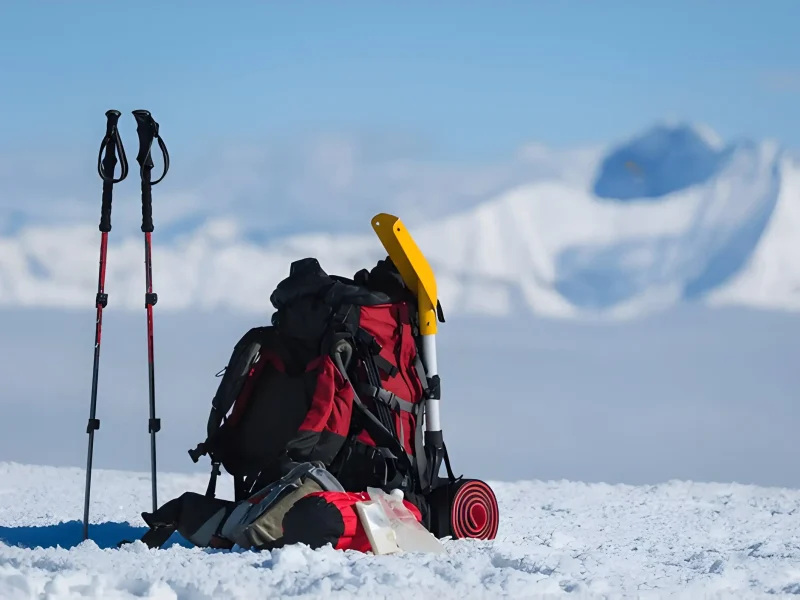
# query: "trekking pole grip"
[147,209]
[111,144]
[147,129]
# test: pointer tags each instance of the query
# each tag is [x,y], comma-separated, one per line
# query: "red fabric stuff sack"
[322,518]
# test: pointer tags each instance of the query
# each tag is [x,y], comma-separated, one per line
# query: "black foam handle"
[108,165]
[147,129]
[147,203]
[105,210]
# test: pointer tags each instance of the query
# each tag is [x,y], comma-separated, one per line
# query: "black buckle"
[199,451]
[434,391]
[364,338]
[380,459]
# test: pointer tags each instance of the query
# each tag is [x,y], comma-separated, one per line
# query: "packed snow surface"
[556,538]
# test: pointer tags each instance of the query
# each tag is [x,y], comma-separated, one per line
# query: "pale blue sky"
[473,80]
[708,395]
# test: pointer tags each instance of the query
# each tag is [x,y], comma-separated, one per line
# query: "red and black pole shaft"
[147,128]
[106,163]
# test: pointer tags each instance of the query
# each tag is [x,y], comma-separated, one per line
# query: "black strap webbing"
[421,373]
[379,433]
[388,398]
[421,459]
[383,411]
[385,366]
[211,490]
[239,489]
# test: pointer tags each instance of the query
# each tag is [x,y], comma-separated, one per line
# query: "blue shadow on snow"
[70,534]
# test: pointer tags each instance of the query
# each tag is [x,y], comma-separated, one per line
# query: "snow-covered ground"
[556,538]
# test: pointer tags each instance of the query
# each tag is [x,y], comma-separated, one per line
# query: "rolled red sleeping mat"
[474,512]
[464,509]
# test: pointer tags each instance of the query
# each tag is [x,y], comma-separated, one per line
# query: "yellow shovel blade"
[412,265]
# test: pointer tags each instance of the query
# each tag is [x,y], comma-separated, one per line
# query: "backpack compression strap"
[368,349]
[386,402]
[379,433]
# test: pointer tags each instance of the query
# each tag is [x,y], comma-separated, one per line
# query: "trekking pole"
[147,128]
[111,144]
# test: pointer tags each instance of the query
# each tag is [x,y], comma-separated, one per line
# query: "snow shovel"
[459,507]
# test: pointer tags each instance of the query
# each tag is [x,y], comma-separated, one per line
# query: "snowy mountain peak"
[563,250]
[662,160]
[670,215]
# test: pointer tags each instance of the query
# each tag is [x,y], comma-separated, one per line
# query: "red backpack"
[336,378]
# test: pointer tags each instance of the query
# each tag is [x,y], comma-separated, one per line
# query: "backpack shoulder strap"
[246,353]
